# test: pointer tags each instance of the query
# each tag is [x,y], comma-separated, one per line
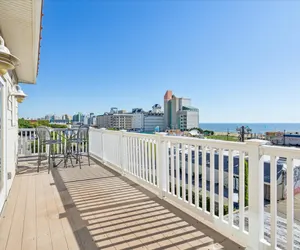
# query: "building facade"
[152,121]
[137,119]
[115,121]
[178,112]
[23,40]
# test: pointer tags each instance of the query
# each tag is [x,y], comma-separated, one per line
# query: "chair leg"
[49,159]
[79,156]
[39,161]
[77,153]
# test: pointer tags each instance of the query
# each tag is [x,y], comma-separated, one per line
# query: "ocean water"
[256,127]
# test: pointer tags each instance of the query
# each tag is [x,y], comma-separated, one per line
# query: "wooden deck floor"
[95,208]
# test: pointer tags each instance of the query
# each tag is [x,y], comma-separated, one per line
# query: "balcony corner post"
[123,155]
[161,155]
[255,189]
[102,144]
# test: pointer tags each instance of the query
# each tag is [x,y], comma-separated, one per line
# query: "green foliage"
[208,132]
[223,137]
[114,129]
[28,124]
[25,123]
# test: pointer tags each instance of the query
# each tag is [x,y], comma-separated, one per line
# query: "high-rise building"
[78,118]
[179,114]
[137,119]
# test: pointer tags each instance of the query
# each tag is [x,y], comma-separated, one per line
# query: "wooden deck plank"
[67,228]
[56,229]
[16,232]
[8,212]
[43,231]
[84,209]
[29,230]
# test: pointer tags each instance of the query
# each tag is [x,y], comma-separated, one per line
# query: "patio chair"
[82,143]
[44,138]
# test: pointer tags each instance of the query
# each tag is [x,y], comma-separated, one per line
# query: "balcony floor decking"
[95,208]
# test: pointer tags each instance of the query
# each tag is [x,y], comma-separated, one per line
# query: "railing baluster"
[172,169]
[139,157]
[34,142]
[150,160]
[22,142]
[153,162]
[290,204]
[129,155]
[241,189]
[204,206]
[273,180]
[221,183]
[146,159]
[212,181]
[190,187]
[143,157]
[230,188]
[134,157]
[177,171]
[183,168]
[168,170]
[196,176]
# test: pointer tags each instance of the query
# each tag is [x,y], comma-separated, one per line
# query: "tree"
[25,123]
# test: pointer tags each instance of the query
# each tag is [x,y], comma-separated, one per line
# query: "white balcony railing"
[214,192]
[29,143]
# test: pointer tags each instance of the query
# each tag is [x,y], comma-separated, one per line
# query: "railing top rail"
[287,152]
[238,146]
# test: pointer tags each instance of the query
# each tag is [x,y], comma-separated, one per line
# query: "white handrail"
[181,169]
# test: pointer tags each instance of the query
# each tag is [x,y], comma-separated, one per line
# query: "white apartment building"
[117,121]
[137,119]
[153,120]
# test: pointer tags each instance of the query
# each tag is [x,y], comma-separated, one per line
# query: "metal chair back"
[43,134]
[83,133]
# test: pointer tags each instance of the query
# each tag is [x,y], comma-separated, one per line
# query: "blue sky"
[237,60]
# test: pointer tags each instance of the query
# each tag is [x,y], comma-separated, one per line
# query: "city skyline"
[238,61]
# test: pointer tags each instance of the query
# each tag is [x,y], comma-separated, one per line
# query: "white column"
[161,154]
[255,189]
[102,144]
[4,95]
[123,155]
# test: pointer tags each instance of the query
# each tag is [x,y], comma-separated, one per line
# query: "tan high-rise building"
[178,112]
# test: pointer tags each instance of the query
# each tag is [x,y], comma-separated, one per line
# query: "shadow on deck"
[95,208]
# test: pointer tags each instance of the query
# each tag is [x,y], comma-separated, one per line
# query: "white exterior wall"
[138,121]
[102,121]
[192,119]
[184,102]
[151,121]
[9,136]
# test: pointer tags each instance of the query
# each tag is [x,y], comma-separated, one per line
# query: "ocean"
[256,127]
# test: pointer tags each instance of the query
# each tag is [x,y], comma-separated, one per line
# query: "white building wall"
[138,121]
[192,119]
[9,136]
[151,121]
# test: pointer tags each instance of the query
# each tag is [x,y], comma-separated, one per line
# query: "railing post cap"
[257,142]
